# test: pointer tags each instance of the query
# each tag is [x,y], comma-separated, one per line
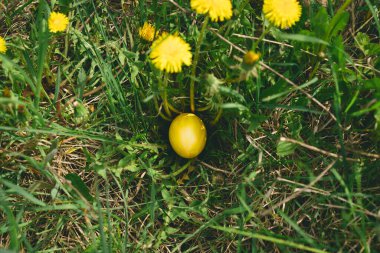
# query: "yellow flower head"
[218,10]
[282,13]
[57,22]
[169,52]
[3,45]
[251,57]
[147,32]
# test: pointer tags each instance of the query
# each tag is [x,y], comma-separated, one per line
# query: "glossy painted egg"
[187,135]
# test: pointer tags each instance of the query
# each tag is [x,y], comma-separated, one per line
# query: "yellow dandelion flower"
[147,32]
[251,57]
[57,22]
[282,13]
[3,45]
[160,38]
[218,10]
[170,52]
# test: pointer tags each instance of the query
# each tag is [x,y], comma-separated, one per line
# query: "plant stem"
[172,108]
[158,109]
[195,63]
[205,108]
[262,36]
[217,117]
[179,171]
[165,95]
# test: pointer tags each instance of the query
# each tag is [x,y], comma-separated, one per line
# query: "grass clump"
[290,101]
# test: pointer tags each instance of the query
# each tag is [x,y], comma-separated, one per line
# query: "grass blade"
[43,36]
[21,191]
[12,224]
[268,238]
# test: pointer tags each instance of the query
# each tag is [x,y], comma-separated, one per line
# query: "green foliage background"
[292,165]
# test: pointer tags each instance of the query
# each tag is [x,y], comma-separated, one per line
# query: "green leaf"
[43,35]
[320,22]
[287,91]
[275,91]
[128,163]
[375,106]
[285,148]
[362,40]
[374,14]
[77,182]
[338,54]
[166,196]
[58,207]
[372,83]
[15,72]
[301,38]
[81,113]
[171,230]
[52,152]
[377,118]
[82,77]
[294,124]
[21,191]
[12,224]
[255,121]
[234,106]
[213,84]
[338,23]
[373,49]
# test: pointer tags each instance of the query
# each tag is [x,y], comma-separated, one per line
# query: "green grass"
[291,165]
